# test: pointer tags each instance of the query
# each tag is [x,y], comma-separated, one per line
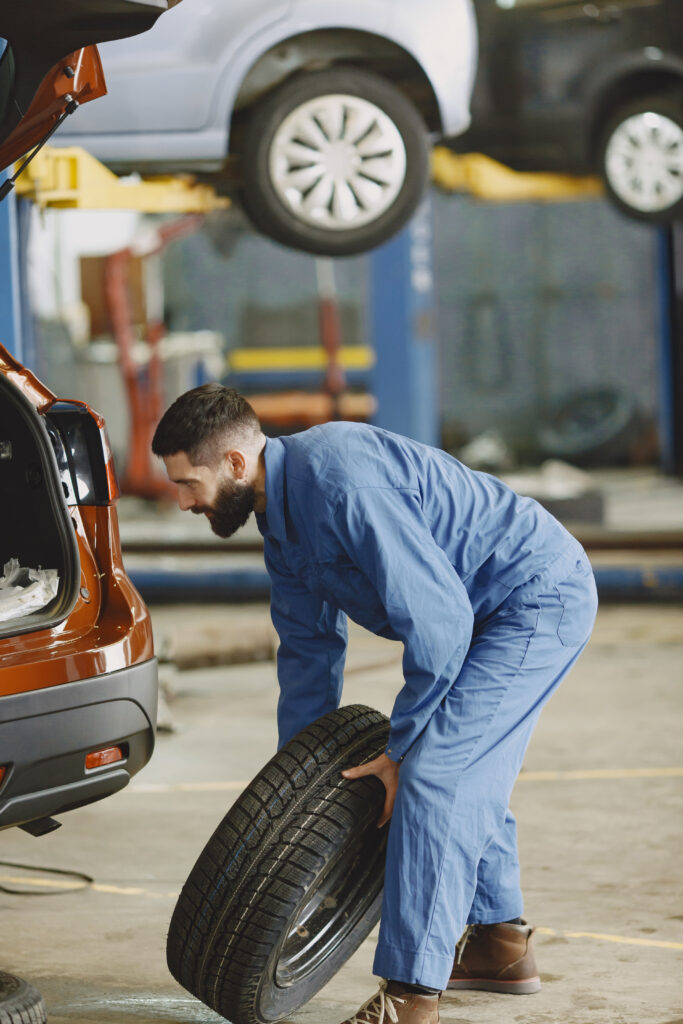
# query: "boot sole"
[519,988]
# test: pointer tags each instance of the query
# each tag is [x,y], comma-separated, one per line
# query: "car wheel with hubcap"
[334,162]
[641,158]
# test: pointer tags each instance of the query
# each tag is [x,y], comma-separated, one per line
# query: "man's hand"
[386,770]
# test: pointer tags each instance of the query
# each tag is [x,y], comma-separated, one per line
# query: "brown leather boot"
[393,1003]
[496,958]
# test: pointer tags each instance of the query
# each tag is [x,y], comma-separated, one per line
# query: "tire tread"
[264,854]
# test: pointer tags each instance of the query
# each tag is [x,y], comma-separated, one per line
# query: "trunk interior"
[35,526]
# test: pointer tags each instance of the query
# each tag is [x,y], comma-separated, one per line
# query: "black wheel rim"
[342,895]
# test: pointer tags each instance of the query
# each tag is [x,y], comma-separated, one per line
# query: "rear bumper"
[45,735]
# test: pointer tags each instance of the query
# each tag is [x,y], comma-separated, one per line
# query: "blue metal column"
[402,324]
[10,317]
[670,287]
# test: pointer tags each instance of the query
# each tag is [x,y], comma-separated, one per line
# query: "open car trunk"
[36,530]
[35,35]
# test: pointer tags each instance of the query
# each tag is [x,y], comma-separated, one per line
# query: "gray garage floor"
[599,804]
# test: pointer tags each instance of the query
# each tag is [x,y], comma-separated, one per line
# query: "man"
[493,601]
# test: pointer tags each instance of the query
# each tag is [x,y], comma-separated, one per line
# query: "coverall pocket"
[578,597]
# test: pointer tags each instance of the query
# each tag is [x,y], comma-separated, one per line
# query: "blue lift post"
[402,331]
[10,316]
[670,275]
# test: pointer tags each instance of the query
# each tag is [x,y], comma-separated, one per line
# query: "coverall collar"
[272,521]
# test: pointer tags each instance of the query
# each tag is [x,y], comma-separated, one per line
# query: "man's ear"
[237,463]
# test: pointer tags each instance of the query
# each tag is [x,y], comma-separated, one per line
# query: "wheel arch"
[624,88]
[326,48]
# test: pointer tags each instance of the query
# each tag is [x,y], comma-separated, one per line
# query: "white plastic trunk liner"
[24,590]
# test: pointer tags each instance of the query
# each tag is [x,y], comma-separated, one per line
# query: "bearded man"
[493,601]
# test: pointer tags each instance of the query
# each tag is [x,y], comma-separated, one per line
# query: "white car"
[316,114]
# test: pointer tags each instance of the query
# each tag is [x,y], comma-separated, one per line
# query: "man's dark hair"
[201,421]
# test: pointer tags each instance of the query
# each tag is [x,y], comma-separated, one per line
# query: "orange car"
[78,677]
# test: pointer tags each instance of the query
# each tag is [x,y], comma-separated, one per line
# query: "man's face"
[221,494]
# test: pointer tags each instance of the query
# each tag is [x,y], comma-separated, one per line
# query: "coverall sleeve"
[312,650]
[386,536]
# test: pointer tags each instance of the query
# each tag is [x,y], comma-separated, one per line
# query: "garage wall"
[535,302]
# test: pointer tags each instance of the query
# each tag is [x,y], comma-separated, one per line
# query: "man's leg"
[455,784]
[498,883]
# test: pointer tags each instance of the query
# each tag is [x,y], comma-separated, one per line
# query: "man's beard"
[233,505]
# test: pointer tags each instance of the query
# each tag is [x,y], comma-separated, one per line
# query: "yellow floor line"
[130,890]
[603,773]
[188,787]
[548,776]
[601,937]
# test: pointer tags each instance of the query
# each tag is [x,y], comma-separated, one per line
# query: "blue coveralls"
[493,601]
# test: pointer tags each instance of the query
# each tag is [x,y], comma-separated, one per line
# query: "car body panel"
[44,738]
[26,382]
[108,630]
[77,76]
[172,86]
[83,676]
[171,98]
[549,70]
[448,57]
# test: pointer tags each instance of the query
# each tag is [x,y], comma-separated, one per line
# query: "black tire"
[592,428]
[291,881]
[268,212]
[669,106]
[20,1003]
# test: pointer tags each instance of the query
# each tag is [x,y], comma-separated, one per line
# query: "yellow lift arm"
[70,178]
[485,178]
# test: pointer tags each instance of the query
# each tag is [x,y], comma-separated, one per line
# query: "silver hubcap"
[337,162]
[644,162]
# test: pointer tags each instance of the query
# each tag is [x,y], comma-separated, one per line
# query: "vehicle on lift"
[315,115]
[583,88]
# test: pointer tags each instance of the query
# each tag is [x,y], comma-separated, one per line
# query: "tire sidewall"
[20,1001]
[288,832]
[272,1003]
[668,106]
[262,203]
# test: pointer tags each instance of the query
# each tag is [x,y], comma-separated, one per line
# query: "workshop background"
[539,338]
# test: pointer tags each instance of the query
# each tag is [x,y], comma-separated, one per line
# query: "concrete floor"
[599,805]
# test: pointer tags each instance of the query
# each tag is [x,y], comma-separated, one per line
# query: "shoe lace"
[462,942]
[378,1006]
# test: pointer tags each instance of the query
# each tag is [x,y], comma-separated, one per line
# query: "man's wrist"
[394,753]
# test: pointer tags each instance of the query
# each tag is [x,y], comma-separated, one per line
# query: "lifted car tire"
[20,1003]
[640,158]
[315,136]
[291,881]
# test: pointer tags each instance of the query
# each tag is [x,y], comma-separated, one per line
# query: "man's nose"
[185,501]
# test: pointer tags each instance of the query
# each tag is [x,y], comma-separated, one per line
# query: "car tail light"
[100,758]
[3,772]
[83,453]
[112,480]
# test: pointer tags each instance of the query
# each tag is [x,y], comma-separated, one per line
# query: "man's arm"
[386,535]
[312,651]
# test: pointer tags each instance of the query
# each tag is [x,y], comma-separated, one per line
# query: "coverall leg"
[452,851]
